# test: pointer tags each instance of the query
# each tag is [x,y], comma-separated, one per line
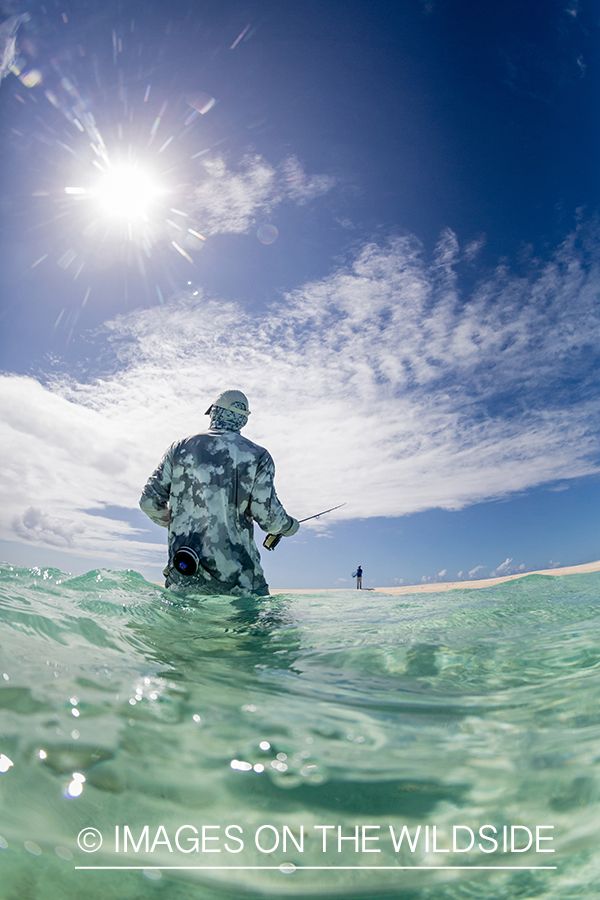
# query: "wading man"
[208,490]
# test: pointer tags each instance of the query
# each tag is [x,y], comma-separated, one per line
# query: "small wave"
[296,711]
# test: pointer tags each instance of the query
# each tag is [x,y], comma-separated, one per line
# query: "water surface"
[123,706]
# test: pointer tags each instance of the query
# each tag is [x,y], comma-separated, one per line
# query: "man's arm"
[265,506]
[155,496]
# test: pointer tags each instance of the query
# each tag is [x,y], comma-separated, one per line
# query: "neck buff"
[225,420]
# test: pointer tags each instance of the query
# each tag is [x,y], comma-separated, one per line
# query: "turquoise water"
[122,707]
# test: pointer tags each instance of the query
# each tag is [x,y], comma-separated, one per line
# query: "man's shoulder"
[246,442]
[222,437]
[245,446]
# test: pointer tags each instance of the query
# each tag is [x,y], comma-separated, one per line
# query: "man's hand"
[271,540]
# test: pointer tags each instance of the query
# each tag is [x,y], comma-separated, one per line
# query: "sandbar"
[431,587]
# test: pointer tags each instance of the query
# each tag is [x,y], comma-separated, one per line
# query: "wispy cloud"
[539,70]
[299,186]
[381,386]
[8,40]
[63,463]
[428,579]
[507,568]
[230,201]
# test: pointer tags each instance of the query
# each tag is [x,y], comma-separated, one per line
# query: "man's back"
[208,490]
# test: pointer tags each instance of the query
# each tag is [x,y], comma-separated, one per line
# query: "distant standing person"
[359,578]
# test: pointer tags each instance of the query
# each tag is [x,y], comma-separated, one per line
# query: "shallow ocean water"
[126,709]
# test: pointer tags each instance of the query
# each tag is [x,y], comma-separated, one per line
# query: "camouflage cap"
[234,401]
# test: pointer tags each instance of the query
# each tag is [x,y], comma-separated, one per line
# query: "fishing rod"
[271,540]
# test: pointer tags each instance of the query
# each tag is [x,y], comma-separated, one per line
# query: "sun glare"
[127,193]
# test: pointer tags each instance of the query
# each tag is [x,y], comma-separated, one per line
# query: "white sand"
[432,587]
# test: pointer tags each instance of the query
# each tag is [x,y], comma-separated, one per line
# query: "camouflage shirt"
[208,490]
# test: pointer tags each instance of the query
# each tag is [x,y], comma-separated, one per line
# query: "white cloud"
[380,386]
[506,568]
[230,202]
[8,39]
[36,525]
[301,187]
[476,571]
[61,459]
[472,250]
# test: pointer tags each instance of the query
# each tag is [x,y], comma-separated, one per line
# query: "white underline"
[320,868]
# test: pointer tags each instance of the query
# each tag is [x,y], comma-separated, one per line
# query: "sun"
[127,193]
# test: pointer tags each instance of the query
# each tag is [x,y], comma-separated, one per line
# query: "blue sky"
[379,220]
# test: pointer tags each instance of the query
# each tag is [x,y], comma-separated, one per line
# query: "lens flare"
[200,101]
[267,234]
[31,78]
